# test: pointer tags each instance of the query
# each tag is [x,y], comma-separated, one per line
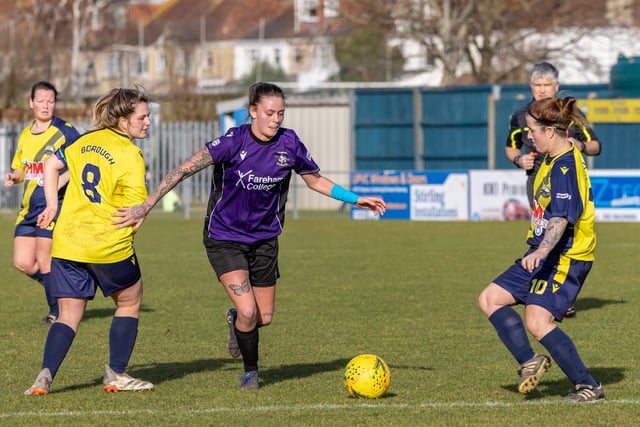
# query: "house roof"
[241,19]
[219,20]
[179,20]
[143,12]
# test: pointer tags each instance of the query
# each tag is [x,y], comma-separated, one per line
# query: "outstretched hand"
[374,204]
[9,179]
[46,216]
[130,216]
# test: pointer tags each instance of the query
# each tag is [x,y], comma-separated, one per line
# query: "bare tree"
[33,47]
[442,26]
[481,41]
[505,38]
[82,12]
[47,27]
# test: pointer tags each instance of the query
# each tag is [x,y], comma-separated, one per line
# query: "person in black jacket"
[519,148]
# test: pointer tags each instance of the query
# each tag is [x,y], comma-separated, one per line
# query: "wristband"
[344,195]
[516,159]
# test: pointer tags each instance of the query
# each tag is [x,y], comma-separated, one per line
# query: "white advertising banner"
[442,201]
[484,195]
[415,195]
[498,195]
[616,194]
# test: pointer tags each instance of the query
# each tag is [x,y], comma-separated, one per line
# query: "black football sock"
[248,344]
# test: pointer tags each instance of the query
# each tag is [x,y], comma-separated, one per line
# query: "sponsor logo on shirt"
[33,170]
[251,182]
[537,218]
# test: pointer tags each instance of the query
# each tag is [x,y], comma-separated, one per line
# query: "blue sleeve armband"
[344,195]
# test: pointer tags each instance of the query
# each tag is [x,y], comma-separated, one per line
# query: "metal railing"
[168,145]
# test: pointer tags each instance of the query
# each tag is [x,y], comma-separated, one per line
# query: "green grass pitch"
[406,291]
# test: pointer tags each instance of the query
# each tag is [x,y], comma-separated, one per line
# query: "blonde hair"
[116,104]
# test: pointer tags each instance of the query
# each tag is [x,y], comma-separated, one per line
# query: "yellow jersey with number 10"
[107,171]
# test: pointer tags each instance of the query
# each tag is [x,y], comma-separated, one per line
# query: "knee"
[534,329]
[539,321]
[247,316]
[485,301]
[538,327]
[266,319]
[23,267]
[128,301]
[494,297]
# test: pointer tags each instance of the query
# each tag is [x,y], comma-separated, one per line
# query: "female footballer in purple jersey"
[562,240]
[253,164]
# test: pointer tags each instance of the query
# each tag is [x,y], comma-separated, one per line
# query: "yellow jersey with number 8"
[107,171]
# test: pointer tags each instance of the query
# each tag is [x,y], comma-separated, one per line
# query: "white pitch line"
[319,407]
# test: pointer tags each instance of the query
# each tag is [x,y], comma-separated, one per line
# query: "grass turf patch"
[404,290]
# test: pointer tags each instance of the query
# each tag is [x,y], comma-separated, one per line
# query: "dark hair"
[557,113]
[46,86]
[117,103]
[542,70]
[259,90]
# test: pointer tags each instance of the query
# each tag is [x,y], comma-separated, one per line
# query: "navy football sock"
[564,353]
[52,301]
[122,339]
[511,331]
[58,342]
[37,276]
[248,344]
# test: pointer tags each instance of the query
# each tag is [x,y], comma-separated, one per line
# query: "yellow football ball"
[367,375]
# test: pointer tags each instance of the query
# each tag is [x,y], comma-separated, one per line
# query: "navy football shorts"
[33,231]
[71,279]
[554,285]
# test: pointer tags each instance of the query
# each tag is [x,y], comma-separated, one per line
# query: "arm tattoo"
[199,161]
[240,289]
[139,211]
[554,232]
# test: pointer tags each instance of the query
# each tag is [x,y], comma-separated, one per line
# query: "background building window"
[140,64]
[309,10]
[112,65]
[331,8]
[277,56]
[161,62]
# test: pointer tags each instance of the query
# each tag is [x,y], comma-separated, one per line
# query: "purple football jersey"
[250,183]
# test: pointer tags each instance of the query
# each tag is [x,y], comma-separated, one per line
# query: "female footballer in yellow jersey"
[549,276]
[31,244]
[106,171]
